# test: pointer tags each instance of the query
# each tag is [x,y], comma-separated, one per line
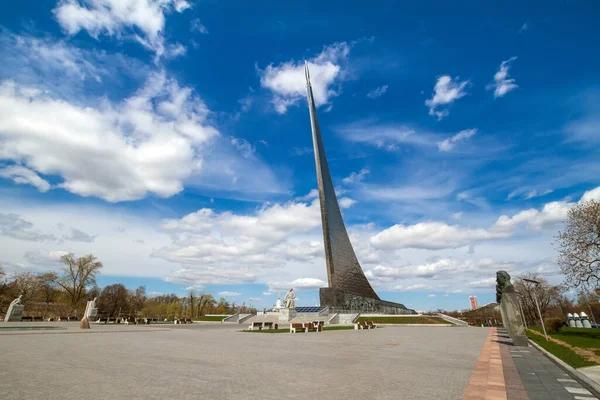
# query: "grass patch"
[338,328]
[585,338]
[214,318]
[567,355]
[405,320]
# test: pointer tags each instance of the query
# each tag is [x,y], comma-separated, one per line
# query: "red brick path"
[495,376]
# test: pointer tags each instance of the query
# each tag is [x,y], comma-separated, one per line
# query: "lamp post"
[537,305]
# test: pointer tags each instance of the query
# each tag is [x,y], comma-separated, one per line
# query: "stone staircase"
[452,320]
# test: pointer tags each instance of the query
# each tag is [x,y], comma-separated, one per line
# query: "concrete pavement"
[218,362]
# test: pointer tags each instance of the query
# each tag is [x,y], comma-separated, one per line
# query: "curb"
[578,376]
[436,325]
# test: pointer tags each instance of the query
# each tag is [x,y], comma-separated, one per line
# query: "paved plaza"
[216,361]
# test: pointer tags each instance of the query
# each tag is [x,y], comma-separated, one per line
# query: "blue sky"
[171,139]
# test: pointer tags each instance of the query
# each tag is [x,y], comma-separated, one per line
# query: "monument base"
[14,313]
[85,323]
[286,314]
[340,300]
[520,341]
[514,319]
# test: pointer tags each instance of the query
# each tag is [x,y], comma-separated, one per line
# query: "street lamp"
[537,305]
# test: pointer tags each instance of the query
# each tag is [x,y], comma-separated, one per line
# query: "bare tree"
[47,288]
[137,300]
[578,245]
[114,300]
[546,293]
[26,284]
[191,297]
[78,274]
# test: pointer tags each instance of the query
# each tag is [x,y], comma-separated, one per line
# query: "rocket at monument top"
[306,73]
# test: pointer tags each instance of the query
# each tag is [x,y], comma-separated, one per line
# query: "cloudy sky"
[171,139]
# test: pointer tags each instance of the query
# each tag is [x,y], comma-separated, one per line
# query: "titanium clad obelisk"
[348,285]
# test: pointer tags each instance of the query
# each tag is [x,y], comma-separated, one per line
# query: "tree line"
[65,293]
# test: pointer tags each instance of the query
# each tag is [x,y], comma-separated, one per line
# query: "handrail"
[453,320]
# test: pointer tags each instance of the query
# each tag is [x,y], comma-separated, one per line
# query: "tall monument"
[348,285]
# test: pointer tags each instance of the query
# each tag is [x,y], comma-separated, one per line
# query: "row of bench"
[262,325]
[315,326]
[364,325]
[50,319]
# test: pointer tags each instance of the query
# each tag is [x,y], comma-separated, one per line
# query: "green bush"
[553,325]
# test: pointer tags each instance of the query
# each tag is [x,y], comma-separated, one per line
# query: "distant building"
[473,300]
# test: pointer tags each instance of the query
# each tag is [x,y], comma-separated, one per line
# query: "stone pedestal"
[503,317]
[14,313]
[286,314]
[514,320]
[85,323]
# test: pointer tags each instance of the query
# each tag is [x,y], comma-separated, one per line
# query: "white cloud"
[346,202]
[140,20]
[441,268]
[550,215]
[357,176]
[431,236]
[243,146]
[313,194]
[483,283]
[151,142]
[502,84]
[287,82]
[297,284]
[385,136]
[593,194]
[76,235]
[230,294]
[436,235]
[411,288]
[457,215]
[22,175]
[226,247]
[448,144]
[27,53]
[431,295]
[377,92]
[44,257]
[524,27]
[446,91]
[14,226]
[196,26]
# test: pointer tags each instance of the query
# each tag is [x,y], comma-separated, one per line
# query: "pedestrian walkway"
[519,373]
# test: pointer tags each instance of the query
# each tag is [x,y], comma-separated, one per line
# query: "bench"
[26,318]
[255,325]
[311,327]
[38,318]
[295,327]
[371,325]
[319,325]
[360,325]
[268,325]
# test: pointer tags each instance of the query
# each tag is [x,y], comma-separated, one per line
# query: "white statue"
[15,310]
[290,299]
[17,301]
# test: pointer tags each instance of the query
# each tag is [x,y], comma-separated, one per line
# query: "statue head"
[291,289]
[502,279]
